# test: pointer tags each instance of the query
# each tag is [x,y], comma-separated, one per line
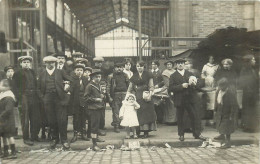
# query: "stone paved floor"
[247,154]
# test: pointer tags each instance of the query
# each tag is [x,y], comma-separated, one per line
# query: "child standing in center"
[128,115]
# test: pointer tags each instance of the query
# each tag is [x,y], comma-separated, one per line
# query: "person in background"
[170,115]
[61,63]
[184,86]
[95,101]
[128,115]
[208,72]
[77,103]
[249,81]
[52,92]
[117,84]
[7,120]
[127,69]
[26,94]
[141,84]
[226,111]
[158,83]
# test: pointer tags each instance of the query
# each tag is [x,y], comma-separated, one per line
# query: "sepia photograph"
[129,81]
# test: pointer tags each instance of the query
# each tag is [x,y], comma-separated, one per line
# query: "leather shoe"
[225,146]
[201,138]
[28,142]
[66,145]
[53,144]
[181,138]
[96,148]
[100,140]
[220,137]
[101,133]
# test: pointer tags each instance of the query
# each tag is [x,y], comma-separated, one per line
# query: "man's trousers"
[116,105]
[56,116]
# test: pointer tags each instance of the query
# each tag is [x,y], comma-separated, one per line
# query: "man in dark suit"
[61,63]
[184,86]
[52,92]
[25,92]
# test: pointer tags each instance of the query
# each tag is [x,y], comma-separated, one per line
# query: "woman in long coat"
[249,81]
[170,115]
[143,81]
[226,111]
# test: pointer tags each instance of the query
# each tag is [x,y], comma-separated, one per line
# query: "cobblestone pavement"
[247,154]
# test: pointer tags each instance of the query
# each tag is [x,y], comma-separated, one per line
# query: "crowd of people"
[139,99]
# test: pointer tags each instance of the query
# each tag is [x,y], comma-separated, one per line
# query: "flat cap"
[180,60]
[8,67]
[81,60]
[98,59]
[88,68]
[95,72]
[49,59]
[21,58]
[77,54]
[169,61]
[79,66]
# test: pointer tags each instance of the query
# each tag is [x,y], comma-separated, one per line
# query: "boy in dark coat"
[7,120]
[77,103]
[95,100]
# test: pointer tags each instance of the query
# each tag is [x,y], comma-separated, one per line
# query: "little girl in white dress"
[128,115]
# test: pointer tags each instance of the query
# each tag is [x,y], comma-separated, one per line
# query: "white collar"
[60,66]
[181,72]
[50,71]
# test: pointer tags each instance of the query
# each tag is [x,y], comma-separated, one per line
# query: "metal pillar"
[43,35]
[140,29]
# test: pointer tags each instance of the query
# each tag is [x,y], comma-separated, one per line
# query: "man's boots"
[75,137]
[13,152]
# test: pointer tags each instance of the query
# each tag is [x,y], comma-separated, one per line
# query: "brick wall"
[209,16]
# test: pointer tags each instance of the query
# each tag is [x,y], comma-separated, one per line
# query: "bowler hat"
[60,54]
[21,58]
[95,72]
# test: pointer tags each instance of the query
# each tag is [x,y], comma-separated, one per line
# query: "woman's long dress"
[170,115]
[146,114]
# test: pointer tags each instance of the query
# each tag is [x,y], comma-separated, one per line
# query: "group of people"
[67,87]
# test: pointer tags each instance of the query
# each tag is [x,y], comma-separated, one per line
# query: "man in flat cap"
[184,86]
[52,92]
[25,92]
[117,84]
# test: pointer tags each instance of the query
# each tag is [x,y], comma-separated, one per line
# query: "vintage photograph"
[129,81]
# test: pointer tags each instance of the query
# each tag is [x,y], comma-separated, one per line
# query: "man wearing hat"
[117,84]
[61,62]
[95,101]
[77,102]
[25,92]
[76,55]
[185,97]
[52,92]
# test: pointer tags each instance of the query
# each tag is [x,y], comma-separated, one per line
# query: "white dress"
[128,111]
[208,72]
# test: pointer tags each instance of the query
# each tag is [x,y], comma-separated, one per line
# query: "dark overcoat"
[226,114]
